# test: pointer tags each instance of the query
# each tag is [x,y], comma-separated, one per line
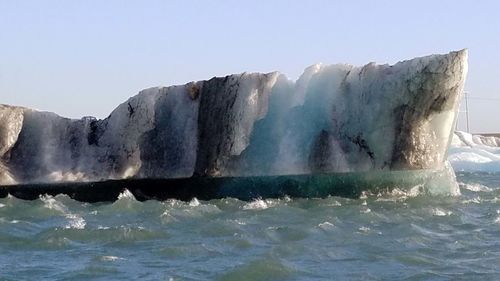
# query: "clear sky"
[80,58]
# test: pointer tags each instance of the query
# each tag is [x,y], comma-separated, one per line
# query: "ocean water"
[397,235]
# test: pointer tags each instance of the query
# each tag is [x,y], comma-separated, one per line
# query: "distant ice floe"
[474,153]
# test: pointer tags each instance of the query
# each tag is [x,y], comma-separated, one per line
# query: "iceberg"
[336,121]
[474,153]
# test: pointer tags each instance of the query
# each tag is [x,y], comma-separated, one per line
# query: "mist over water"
[403,234]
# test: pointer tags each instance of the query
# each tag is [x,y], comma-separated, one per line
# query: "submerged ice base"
[333,119]
[352,185]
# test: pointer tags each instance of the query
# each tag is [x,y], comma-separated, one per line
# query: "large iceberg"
[333,119]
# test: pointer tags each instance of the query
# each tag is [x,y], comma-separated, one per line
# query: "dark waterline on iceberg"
[383,236]
[244,188]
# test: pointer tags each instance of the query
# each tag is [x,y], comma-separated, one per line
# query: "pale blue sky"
[81,58]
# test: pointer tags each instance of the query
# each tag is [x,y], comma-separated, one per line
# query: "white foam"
[476,187]
[364,229]
[366,211]
[111,258]
[334,204]
[75,222]
[475,200]
[257,204]
[126,194]
[441,212]
[326,225]
[497,220]
[194,202]
[398,195]
[51,203]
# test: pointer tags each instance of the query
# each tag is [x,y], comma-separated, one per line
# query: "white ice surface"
[473,153]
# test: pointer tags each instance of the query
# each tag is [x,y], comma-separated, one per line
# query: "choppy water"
[388,236]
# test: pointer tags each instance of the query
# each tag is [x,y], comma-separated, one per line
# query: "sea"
[402,234]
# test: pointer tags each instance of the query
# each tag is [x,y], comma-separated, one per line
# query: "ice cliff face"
[334,118]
